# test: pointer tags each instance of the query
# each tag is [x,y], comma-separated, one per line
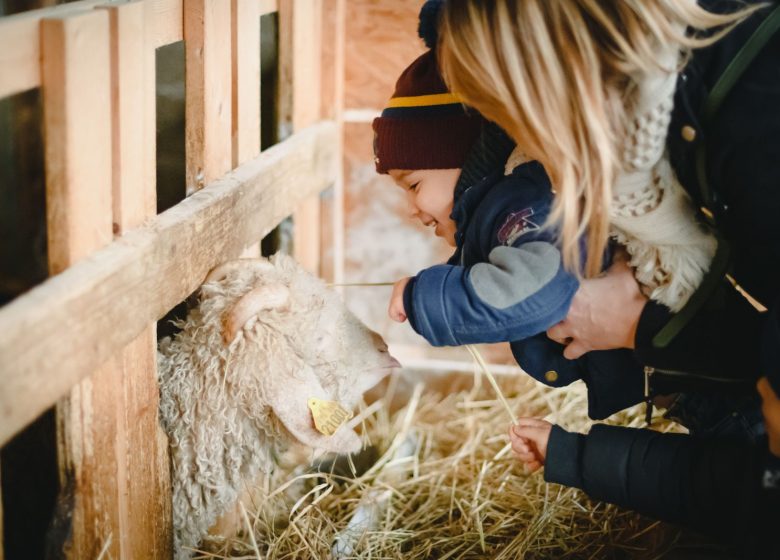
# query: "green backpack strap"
[718,268]
[723,86]
[712,104]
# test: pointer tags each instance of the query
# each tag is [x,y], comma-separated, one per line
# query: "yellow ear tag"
[328,416]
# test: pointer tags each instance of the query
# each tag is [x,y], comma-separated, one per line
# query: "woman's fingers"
[574,350]
[559,333]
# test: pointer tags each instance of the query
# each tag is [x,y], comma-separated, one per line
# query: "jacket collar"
[466,204]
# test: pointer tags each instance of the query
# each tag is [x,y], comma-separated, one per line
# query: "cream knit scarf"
[651,214]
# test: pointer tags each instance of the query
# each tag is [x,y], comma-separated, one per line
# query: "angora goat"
[265,337]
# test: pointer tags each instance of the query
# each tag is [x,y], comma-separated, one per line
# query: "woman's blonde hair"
[557,76]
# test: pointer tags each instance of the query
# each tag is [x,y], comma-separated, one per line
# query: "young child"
[506,280]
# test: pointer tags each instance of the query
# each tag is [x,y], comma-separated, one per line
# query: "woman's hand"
[604,313]
[396,308]
[529,439]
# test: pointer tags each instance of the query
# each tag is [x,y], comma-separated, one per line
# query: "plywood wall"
[381,40]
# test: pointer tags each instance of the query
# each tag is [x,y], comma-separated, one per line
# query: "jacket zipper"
[649,371]
[648,396]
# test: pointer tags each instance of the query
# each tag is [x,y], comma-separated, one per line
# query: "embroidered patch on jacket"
[515,225]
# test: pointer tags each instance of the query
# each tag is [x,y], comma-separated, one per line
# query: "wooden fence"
[85,339]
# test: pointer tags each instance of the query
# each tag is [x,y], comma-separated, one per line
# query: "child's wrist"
[408,296]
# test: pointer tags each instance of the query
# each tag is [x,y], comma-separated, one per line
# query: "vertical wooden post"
[300,86]
[333,37]
[209,99]
[246,88]
[149,111]
[338,188]
[2,540]
[246,80]
[144,473]
[76,81]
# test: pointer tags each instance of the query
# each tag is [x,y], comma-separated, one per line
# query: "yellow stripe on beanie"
[424,100]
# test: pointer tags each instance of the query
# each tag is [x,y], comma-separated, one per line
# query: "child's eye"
[414,187]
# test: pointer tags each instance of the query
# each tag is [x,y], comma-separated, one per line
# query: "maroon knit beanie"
[424,126]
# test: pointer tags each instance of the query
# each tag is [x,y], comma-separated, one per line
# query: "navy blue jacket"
[506,282]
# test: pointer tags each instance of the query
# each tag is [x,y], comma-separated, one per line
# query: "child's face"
[430,193]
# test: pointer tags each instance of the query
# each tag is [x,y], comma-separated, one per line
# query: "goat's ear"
[255,301]
[289,398]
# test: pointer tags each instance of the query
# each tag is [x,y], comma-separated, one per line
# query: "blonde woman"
[635,107]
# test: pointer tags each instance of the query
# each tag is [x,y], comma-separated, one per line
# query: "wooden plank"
[19,68]
[2,540]
[261,8]
[77,117]
[332,209]
[300,38]
[20,51]
[164,22]
[207,30]
[20,54]
[143,475]
[339,101]
[246,81]
[77,122]
[307,233]
[381,40]
[133,199]
[267,7]
[58,332]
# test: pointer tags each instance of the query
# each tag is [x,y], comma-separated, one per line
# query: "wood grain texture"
[20,46]
[77,125]
[77,122]
[267,7]
[332,107]
[20,54]
[300,40]
[246,80]
[381,40]
[164,22]
[2,540]
[133,199]
[207,31]
[143,474]
[58,332]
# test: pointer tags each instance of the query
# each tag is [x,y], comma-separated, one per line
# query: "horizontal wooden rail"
[59,332]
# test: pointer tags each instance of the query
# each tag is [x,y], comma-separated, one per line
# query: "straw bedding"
[460,494]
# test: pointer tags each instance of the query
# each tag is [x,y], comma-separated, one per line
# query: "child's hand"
[770,406]
[396,308]
[529,442]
